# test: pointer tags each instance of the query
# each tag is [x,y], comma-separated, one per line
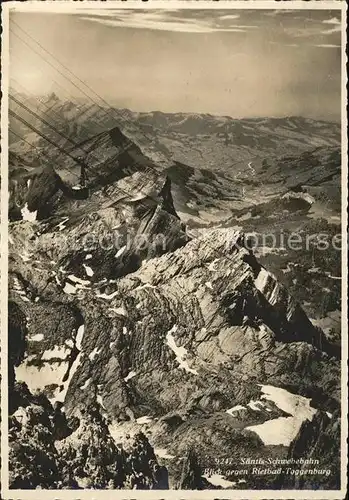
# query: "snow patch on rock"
[100,401]
[69,288]
[80,281]
[61,225]
[119,310]
[180,352]
[303,196]
[283,430]
[94,353]
[107,297]
[146,419]
[262,280]
[120,251]
[255,405]
[163,453]
[79,336]
[212,265]
[58,352]
[38,337]
[130,375]
[27,214]
[88,270]
[231,411]
[25,256]
[219,480]
[86,384]
[39,377]
[209,285]
[21,415]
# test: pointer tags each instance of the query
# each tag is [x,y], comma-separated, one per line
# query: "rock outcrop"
[47,452]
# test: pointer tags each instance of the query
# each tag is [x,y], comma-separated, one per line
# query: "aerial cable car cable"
[77,160]
[41,119]
[80,159]
[49,109]
[27,142]
[53,66]
[48,62]
[75,144]
[81,81]
[64,136]
[150,139]
[34,129]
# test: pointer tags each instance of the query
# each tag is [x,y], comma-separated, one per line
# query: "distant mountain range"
[200,140]
[210,159]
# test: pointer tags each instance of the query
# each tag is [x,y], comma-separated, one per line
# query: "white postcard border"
[64,6]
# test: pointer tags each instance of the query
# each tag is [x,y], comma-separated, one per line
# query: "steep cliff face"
[33,456]
[17,332]
[96,461]
[112,231]
[191,477]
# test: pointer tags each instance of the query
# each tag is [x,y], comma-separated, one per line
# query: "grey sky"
[240,63]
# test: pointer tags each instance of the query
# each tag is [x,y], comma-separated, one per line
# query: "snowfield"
[283,430]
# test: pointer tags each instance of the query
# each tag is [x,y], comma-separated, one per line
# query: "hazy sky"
[240,63]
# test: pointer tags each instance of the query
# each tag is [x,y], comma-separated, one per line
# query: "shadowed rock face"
[191,477]
[49,451]
[42,188]
[316,440]
[40,192]
[17,330]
